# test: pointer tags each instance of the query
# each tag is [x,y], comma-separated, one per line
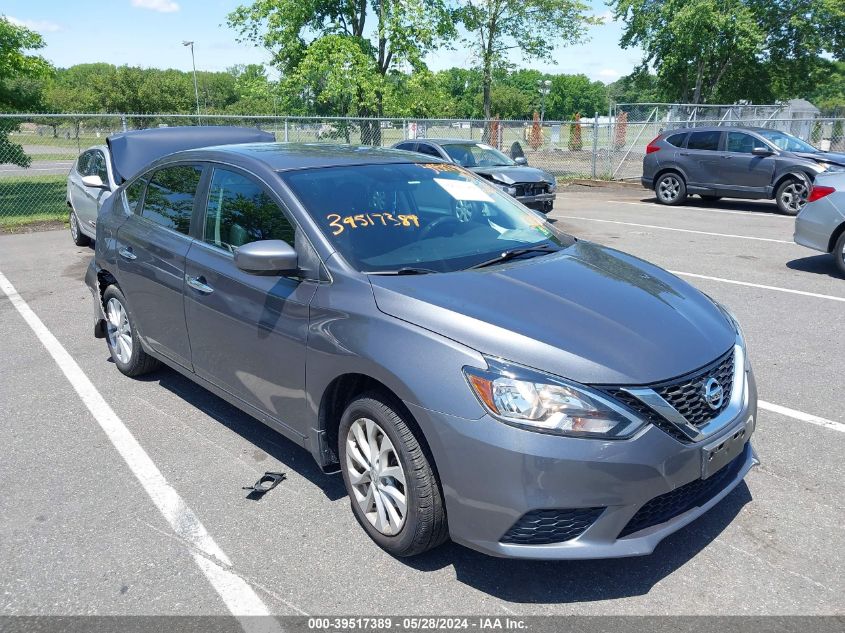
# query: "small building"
[799,115]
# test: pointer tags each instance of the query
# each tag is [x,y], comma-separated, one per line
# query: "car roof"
[292,156]
[719,128]
[449,141]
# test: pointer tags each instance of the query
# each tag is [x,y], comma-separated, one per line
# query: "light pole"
[544,87]
[194,64]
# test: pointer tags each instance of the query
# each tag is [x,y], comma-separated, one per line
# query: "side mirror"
[521,160]
[266,256]
[94,181]
[762,151]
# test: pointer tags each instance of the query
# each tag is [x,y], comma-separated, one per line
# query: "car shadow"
[753,206]
[821,264]
[253,431]
[543,582]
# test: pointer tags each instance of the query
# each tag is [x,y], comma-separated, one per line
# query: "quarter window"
[741,143]
[240,211]
[169,200]
[706,141]
[677,139]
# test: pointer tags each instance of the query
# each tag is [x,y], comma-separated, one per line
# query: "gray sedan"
[493,380]
[821,223]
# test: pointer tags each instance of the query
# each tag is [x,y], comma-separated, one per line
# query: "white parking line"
[800,415]
[239,597]
[667,228]
[749,214]
[803,293]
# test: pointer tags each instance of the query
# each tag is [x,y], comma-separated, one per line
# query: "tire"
[122,336]
[709,198]
[839,253]
[423,525]
[78,237]
[791,196]
[670,189]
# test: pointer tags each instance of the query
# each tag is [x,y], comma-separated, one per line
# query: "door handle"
[126,253]
[198,283]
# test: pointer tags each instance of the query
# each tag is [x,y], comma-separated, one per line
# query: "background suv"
[752,163]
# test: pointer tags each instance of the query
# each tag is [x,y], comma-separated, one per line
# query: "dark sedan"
[533,187]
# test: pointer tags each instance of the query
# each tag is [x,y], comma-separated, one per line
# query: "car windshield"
[786,142]
[400,218]
[476,155]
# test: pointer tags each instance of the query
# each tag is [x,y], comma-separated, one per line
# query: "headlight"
[511,191]
[552,186]
[539,402]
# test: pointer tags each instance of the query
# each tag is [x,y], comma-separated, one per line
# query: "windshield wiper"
[514,253]
[405,270]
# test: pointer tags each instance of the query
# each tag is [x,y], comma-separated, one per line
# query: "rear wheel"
[122,336]
[78,237]
[670,189]
[791,196]
[392,486]
[839,253]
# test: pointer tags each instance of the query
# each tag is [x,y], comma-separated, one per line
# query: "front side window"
[98,166]
[133,194]
[476,155]
[240,211]
[83,162]
[741,143]
[169,200]
[707,141]
[437,217]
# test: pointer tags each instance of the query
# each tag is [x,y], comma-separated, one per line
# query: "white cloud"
[606,17]
[42,26]
[162,6]
[610,73]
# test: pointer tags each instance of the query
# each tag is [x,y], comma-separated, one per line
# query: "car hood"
[587,313]
[510,175]
[823,157]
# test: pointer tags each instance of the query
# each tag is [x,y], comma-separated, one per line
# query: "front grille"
[685,394]
[541,527]
[532,189]
[692,495]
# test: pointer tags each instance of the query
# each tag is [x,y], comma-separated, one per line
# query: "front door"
[247,332]
[151,247]
[742,171]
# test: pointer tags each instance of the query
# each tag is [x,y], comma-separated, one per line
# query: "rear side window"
[677,139]
[425,148]
[707,141]
[408,147]
[169,201]
[133,194]
[240,211]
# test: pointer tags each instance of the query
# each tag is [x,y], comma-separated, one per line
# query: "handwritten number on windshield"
[362,220]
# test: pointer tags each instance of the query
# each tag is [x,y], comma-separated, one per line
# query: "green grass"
[32,199]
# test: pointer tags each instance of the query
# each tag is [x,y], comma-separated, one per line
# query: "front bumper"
[492,474]
[93,283]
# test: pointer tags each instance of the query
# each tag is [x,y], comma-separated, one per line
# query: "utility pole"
[194,64]
[544,87]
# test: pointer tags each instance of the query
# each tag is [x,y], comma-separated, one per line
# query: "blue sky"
[149,33]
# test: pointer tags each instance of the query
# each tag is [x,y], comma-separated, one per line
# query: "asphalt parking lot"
[80,535]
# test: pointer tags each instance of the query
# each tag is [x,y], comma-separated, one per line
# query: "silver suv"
[751,163]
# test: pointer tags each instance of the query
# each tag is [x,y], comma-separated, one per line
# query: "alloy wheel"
[669,189]
[376,476]
[118,330]
[794,196]
[463,210]
[74,226]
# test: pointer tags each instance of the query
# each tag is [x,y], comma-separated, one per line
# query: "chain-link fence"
[38,150]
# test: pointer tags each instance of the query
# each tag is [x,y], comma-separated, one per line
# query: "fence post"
[595,144]
[286,129]
[404,129]
[123,121]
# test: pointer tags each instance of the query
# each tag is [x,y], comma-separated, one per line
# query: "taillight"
[818,192]
[653,147]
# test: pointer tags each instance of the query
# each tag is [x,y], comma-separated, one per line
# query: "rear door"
[151,247]
[248,332]
[701,160]
[742,172]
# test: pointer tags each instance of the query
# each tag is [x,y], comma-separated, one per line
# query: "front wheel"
[78,237]
[791,196]
[392,486]
[839,253]
[670,189]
